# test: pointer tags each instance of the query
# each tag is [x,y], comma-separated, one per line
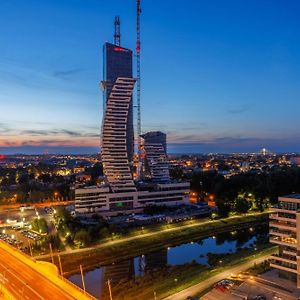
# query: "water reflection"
[197,250]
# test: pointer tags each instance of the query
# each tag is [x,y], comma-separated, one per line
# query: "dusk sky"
[217,76]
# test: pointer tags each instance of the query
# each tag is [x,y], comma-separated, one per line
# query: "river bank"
[118,250]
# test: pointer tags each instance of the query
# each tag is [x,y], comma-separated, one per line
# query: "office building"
[117,127]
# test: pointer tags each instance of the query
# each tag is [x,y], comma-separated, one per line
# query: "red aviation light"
[119,49]
[2,156]
[138,47]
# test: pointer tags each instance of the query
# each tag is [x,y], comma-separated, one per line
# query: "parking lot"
[15,228]
[252,289]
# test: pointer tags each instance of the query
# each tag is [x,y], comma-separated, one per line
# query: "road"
[193,290]
[136,237]
[39,205]
[23,282]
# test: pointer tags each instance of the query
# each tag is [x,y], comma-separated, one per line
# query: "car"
[259,297]
[220,287]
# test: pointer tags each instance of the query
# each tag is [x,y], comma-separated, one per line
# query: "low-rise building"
[100,199]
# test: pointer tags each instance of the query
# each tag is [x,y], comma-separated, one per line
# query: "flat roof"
[292,196]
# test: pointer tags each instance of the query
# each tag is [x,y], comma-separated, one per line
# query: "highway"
[23,282]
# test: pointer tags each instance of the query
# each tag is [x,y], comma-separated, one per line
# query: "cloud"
[66,73]
[59,132]
[239,110]
[5,128]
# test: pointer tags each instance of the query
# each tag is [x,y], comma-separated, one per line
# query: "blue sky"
[217,76]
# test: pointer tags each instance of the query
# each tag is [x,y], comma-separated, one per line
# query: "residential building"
[285,232]
[155,163]
[156,137]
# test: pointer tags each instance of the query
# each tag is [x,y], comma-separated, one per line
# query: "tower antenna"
[117,34]
[138,73]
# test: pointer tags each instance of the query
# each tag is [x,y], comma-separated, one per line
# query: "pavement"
[197,288]
[26,279]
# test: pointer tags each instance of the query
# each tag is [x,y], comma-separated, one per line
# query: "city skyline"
[211,85]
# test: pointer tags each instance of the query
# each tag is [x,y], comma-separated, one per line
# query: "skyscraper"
[117,128]
[119,193]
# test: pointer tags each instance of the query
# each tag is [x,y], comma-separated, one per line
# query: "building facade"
[156,137]
[285,232]
[155,163]
[117,128]
[97,199]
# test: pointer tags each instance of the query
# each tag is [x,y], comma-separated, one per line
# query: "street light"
[3,231]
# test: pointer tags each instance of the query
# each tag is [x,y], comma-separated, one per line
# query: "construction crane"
[117,34]
[138,75]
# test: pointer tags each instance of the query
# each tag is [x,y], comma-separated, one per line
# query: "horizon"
[225,88]
[39,151]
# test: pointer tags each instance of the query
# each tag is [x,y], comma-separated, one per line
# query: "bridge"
[24,278]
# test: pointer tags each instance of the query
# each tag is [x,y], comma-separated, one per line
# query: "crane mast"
[117,34]
[138,73]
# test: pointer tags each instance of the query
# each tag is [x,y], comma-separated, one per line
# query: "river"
[198,250]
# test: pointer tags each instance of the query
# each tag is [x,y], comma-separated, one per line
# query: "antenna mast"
[117,35]
[138,72]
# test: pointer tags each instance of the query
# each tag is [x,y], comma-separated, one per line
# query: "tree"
[39,225]
[224,208]
[82,237]
[241,205]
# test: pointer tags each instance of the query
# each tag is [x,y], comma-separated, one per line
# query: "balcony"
[283,210]
[279,218]
[290,242]
[290,227]
[288,259]
[278,233]
[278,265]
[289,252]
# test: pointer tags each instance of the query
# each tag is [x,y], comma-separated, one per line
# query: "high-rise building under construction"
[117,127]
[119,193]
